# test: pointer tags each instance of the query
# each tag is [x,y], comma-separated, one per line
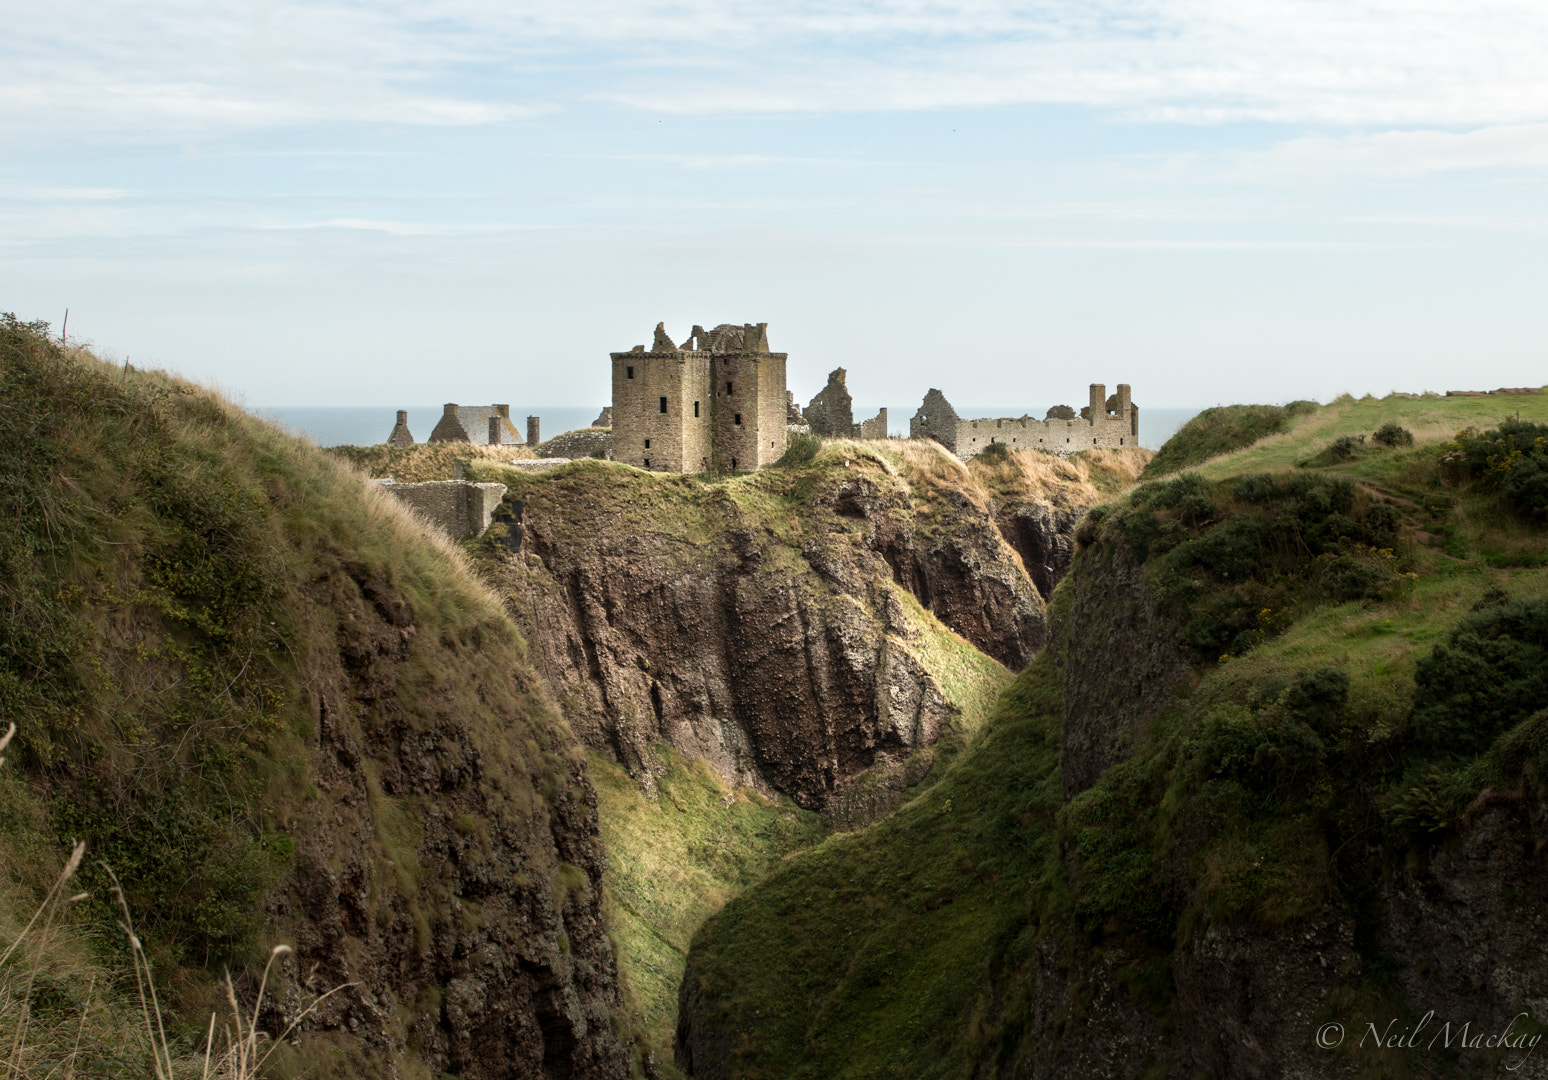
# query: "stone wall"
[578,444]
[831,413]
[716,403]
[937,420]
[874,428]
[458,508]
[1106,421]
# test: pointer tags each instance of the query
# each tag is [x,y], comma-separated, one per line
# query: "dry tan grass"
[1085,479]
[930,466]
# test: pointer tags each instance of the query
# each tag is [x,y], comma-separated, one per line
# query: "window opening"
[663,404]
[739,419]
[696,408]
[647,444]
[630,370]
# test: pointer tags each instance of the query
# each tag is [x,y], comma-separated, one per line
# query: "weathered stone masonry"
[459,508]
[714,404]
[1106,421]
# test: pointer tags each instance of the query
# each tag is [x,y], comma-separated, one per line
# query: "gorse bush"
[1513,460]
[1393,435]
[800,450]
[995,453]
[1233,561]
[1489,673]
[1342,449]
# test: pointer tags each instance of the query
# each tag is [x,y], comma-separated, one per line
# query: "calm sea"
[362,427]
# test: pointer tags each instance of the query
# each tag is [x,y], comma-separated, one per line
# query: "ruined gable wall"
[937,420]
[875,427]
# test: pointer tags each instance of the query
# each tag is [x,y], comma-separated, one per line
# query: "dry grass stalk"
[243,1058]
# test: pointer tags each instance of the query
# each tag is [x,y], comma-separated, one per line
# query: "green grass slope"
[1221,430]
[1431,419]
[674,861]
[876,953]
[1369,638]
[183,589]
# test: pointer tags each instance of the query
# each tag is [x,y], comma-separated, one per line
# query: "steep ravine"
[1207,835]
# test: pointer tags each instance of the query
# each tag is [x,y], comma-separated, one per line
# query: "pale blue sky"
[394,203]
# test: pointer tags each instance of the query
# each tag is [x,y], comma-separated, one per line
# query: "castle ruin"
[1105,421]
[487,425]
[715,403]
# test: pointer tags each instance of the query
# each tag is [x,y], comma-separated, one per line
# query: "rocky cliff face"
[771,625]
[1460,928]
[450,868]
[316,728]
[1120,657]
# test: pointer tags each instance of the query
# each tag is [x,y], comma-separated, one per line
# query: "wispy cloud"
[175,65]
[1402,154]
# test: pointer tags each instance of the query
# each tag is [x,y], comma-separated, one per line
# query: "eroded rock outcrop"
[783,644]
[1121,658]
[452,876]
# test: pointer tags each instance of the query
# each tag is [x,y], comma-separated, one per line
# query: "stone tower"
[716,403]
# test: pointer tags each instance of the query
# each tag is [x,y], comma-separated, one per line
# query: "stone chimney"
[1098,402]
[532,432]
[495,430]
[400,433]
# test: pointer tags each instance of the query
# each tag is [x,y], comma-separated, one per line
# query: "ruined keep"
[831,413]
[715,403]
[487,425]
[1105,421]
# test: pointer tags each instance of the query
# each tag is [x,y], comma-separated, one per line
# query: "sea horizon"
[356,425]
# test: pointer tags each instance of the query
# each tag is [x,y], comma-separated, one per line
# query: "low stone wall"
[541,464]
[457,507]
[578,444]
